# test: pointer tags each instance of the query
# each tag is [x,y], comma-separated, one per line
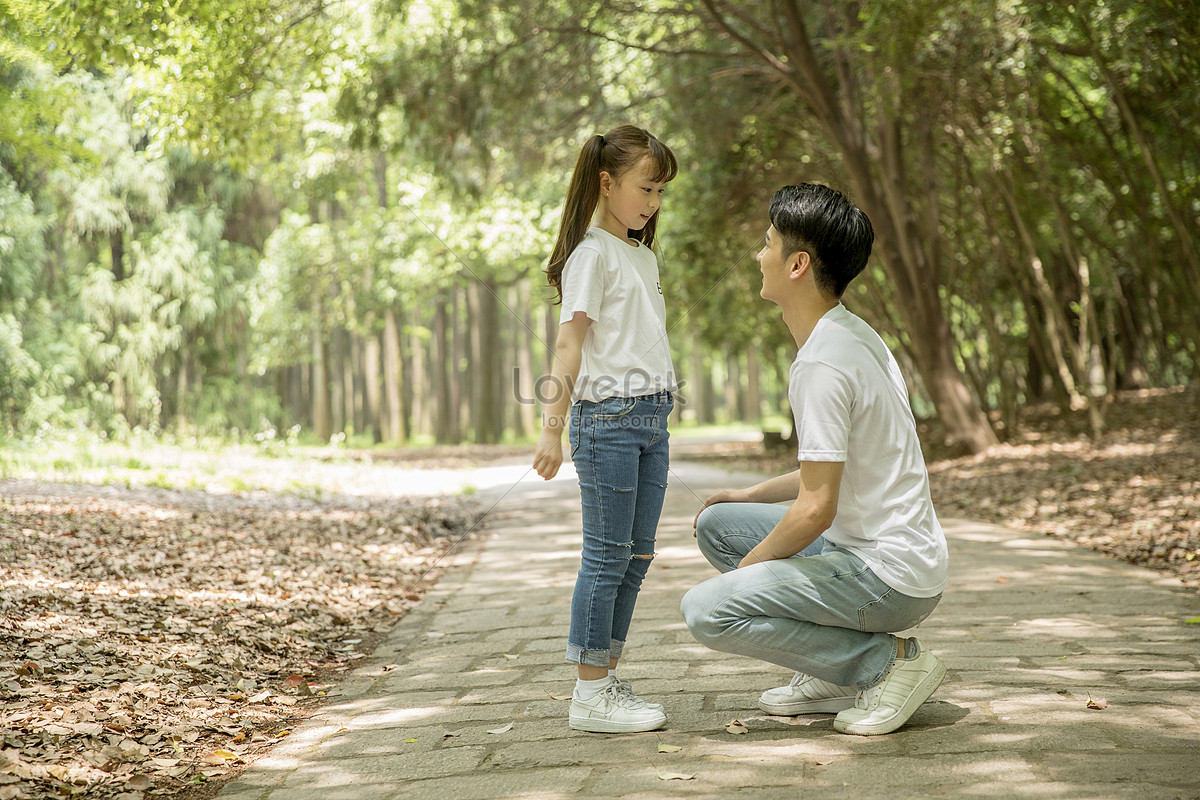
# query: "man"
[821,585]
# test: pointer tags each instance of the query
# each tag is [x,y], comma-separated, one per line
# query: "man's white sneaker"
[614,710]
[885,707]
[624,687]
[807,695]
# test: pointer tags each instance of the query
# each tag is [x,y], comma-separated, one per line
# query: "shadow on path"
[467,698]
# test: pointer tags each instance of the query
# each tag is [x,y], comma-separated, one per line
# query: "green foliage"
[190,198]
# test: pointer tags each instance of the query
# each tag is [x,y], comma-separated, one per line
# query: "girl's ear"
[606,183]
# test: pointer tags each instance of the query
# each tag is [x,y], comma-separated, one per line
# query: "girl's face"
[628,203]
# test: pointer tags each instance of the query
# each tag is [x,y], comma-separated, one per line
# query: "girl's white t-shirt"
[625,351]
[851,405]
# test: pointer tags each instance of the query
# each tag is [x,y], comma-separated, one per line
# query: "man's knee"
[710,527]
[708,522]
[697,610]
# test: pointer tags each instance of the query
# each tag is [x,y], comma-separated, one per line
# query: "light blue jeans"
[821,612]
[619,446]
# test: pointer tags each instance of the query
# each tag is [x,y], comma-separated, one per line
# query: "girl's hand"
[547,457]
[723,496]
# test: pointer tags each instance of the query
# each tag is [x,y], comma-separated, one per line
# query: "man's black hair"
[825,224]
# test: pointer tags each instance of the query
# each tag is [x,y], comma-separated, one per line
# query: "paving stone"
[1011,720]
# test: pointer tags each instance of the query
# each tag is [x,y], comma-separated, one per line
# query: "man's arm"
[818,484]
[773,490]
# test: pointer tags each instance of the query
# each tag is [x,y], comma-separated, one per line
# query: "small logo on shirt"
[659,285]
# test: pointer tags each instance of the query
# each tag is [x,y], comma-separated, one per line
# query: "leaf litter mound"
[153,642]
[1133,492]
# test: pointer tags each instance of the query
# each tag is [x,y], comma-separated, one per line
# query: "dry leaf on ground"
[673,776]
[165,636]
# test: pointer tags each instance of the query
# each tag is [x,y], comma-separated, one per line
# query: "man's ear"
[799,263]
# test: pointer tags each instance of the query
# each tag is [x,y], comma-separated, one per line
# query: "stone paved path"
[1031,628]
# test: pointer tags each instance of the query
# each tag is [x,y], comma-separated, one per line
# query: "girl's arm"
[568,353]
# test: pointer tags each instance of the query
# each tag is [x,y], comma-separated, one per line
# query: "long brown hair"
[616,152]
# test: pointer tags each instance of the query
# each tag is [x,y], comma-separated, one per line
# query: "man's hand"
[547,456]
[723,496]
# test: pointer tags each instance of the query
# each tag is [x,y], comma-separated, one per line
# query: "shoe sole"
[923,692]
[606,726]
[830,705]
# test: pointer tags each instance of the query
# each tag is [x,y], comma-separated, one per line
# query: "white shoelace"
[625,688]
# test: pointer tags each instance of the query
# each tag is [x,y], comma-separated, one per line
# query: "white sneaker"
[807,695]
[615,709]
[885,707]
[624,687]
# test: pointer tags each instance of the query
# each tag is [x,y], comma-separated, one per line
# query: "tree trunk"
[419,377]
[440,356]
[337,386]
[459,405]
[487,400]
[753,387]
[521,388]
[322,427]
[373,412]
[393,380]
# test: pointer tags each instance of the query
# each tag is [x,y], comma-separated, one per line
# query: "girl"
[612,360]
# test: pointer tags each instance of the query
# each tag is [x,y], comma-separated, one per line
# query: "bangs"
[664,162]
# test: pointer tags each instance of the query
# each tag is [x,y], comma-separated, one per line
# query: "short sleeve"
[822,399]
[582,284]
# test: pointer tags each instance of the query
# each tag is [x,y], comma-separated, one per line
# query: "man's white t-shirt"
[625,351]
[851,405]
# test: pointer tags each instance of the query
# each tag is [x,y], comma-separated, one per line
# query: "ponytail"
[582,197]
[616,152]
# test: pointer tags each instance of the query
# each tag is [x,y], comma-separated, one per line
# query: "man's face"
[771,264]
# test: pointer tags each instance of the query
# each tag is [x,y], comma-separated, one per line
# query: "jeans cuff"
[590,658]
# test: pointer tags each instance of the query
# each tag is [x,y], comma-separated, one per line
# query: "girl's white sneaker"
[615,709]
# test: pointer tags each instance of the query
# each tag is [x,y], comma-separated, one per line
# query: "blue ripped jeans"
[619,447]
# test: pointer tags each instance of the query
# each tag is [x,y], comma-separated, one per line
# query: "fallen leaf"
[138,782]
[260,697]
[1098,703]
[294,682]
[1002,579]
[668,748]
[673,776]
[410,741]
[448,734]
[736,727]
[220,757]
[505,729]
[510,656]
[1193,621]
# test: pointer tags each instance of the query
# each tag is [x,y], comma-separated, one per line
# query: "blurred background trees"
[239,217]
